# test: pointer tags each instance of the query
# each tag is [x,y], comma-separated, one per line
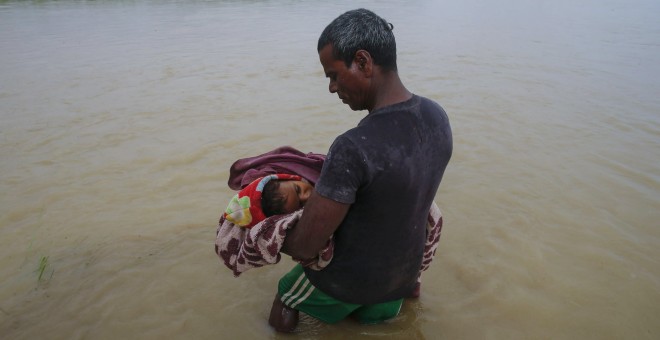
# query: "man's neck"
[389,91]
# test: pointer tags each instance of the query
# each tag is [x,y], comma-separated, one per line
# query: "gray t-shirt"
[388,168]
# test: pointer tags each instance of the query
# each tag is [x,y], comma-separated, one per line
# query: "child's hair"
[272,201]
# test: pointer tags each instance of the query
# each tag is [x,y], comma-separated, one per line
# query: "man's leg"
[296,293]
[282,318]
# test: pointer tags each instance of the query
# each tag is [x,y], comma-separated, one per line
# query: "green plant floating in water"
[43,263]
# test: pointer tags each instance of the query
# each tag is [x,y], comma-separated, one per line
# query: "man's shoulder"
[349,137]
[429,103]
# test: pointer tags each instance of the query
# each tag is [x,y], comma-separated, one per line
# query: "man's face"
[348,82]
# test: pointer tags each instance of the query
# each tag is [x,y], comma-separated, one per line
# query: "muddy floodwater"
[119,121]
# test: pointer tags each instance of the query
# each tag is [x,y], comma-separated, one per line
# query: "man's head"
[360,29]
[356,50]
[284,197]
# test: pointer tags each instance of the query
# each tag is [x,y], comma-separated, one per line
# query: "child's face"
[295,193]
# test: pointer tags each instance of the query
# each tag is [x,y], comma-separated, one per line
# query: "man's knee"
[283,318]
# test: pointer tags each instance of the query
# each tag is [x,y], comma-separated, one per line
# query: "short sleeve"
[342,173]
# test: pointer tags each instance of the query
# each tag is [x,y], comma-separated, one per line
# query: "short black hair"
[361,29]
[272,201]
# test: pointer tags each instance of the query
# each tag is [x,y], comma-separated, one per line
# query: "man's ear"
[364,62]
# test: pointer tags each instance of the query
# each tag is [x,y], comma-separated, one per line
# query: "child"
[268,196]
[251,232]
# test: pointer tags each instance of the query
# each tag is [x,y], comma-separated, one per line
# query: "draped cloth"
[242,249]
[283,160]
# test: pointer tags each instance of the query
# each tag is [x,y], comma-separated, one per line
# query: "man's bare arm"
[318,222]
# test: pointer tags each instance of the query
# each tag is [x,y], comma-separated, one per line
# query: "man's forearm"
[318,222]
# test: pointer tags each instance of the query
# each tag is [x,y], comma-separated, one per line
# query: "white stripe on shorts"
[298,293]
[294,293]
[309,292]
[293,288]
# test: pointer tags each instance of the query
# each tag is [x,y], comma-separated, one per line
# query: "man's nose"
[332,87]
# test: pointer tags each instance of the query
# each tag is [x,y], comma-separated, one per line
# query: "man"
[377,184]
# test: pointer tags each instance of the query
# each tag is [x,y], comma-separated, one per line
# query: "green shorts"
[298,293]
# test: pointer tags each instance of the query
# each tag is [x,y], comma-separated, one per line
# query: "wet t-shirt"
[388,168]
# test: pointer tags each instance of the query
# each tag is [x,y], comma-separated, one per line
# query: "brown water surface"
[119,121]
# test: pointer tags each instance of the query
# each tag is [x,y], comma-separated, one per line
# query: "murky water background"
[119,121]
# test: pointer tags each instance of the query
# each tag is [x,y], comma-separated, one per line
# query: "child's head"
[285,196]
[267,196]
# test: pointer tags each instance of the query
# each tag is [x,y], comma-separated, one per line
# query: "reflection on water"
[119,121]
